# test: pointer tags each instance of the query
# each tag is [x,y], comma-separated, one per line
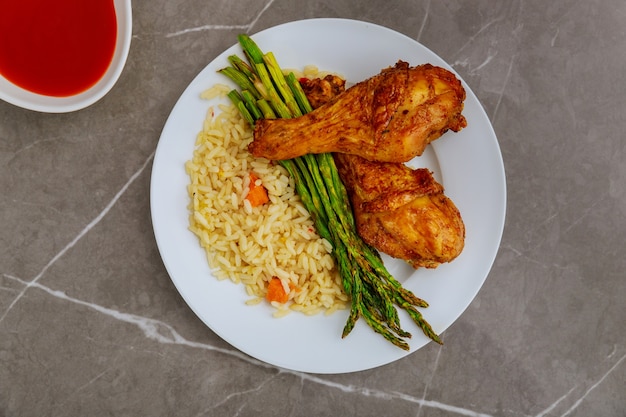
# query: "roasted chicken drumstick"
[402,212]
[389,117]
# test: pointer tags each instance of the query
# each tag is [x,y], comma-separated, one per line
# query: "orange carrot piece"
[257,194]
[276,291]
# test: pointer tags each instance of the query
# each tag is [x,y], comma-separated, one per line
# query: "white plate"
[18,96]
[468,163]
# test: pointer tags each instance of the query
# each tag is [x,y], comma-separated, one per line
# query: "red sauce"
[56,47]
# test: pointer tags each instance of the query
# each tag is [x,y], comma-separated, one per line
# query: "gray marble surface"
[91,324]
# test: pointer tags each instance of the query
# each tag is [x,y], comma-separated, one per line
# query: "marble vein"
[28,204]
[579,401]
[82,233]
[554,404]
[472,38]
[31,145]
[504,85]
[473,70]
[566,14]
[7,289]
[586,212]
[238,394]
[518,253]
[246,27]
[164,333]
[153,329]
[556,35]
[424,20]
[81,388]
[206,27]
[593,387]
[430,380]
[484,63]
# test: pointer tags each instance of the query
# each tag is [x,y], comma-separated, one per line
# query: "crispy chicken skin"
[320,91]
[402,212]
[389,117]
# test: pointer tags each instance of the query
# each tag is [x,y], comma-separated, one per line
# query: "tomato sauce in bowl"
[61,55]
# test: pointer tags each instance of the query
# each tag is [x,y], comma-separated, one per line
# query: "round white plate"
[468,163]
[26,99]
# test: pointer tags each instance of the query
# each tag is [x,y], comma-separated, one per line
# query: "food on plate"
[402,212]
[266,93]
[389,117]
[252,244]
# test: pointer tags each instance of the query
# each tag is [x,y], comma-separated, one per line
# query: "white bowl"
[18,96]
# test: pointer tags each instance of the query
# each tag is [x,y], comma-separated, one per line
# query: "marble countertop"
[91,324]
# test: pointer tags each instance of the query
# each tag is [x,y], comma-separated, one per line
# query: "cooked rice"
[250,245]
[309,71]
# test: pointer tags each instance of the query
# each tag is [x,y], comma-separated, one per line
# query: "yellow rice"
[250,245]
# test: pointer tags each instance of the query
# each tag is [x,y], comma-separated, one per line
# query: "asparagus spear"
[374,292]
[238,101]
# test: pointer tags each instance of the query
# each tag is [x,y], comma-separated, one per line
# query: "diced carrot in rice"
[276,291]
[258,193]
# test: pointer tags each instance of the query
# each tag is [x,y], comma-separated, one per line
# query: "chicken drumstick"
[389,117]
[401,211]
